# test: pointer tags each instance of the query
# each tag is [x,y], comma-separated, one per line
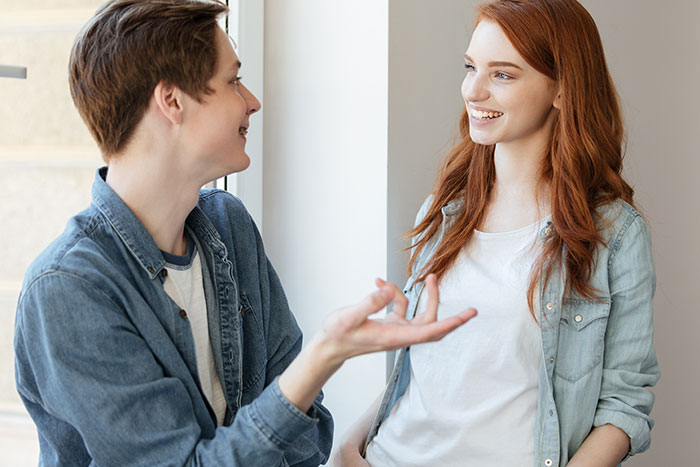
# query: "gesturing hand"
[349,331]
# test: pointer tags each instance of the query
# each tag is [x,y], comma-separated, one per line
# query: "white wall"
[246,27]
[325,168]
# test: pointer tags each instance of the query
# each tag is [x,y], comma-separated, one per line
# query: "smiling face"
[218,125]
[508,101]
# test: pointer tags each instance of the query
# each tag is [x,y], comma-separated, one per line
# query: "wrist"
[326,352]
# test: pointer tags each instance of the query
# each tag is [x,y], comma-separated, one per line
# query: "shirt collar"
[453,207]
[127,226]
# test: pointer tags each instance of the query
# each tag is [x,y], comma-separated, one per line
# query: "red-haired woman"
[532,224]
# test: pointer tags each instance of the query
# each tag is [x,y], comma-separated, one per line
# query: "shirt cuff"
[278,419]
[635,427]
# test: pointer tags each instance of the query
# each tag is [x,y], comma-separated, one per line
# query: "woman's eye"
[469,67]
[502,75]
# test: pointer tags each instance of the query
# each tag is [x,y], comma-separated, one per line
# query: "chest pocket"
[581,338]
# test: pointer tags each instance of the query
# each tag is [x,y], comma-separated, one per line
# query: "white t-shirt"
[184,284]
[472,397]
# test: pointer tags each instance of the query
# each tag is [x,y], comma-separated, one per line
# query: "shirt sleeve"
[630,366]
[83,366]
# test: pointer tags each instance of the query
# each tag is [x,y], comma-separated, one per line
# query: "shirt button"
[551,412]
[578,318]
[548,462]
[549,306]
[183,313]
[548,231]
[164,273]
[551,359]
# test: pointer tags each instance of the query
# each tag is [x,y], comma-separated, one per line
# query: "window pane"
[47,162]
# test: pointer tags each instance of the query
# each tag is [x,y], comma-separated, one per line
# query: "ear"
[557,100]
[169,101]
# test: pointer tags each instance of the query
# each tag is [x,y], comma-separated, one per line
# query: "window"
[47,164]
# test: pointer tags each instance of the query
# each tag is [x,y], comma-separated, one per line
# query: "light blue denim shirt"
[105,360]
[598,359]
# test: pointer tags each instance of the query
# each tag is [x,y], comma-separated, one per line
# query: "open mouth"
[243,131]
[479,115]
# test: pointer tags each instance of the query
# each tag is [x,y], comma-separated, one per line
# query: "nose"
[252,102]
[475,88]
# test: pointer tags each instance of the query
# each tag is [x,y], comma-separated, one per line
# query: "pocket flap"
[579,313]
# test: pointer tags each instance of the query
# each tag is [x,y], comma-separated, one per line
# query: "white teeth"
[479,115]
[242,131]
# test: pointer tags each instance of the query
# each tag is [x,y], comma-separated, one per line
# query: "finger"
[437,330]
[400,300]
[371,304]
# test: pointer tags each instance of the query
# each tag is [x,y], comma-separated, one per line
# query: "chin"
[482,139]
[241,164]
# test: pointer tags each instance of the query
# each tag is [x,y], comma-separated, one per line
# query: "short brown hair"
[127,48]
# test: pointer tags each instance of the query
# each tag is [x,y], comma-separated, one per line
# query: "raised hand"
[350,332]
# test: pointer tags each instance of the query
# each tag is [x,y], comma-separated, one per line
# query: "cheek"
[464,88]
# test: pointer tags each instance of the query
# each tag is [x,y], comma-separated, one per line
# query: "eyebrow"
[497,64]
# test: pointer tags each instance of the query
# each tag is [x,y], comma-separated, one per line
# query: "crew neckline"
[527,228]
[180,260]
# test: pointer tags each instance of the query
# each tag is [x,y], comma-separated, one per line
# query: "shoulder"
[77,250]
[81,266]
[626,241]
[619,222]
[423,210]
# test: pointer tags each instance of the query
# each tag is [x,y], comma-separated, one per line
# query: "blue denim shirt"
[598,358]
[105,360]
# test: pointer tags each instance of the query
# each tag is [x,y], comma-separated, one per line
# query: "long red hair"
[583,164]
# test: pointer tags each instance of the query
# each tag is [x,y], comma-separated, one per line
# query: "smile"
[479,115]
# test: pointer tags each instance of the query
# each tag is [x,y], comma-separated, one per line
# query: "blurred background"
[47,162]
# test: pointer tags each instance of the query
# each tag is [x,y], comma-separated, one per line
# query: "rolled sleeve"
[278,420]
[630,366]
[638,429]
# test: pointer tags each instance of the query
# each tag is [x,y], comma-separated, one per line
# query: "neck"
[518,197]
[517,172]
[157,192]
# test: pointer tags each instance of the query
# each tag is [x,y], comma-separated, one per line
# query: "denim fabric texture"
[105,361]
[598,357]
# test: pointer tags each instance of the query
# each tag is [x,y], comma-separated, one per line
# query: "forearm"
[304,378]
[605,446]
